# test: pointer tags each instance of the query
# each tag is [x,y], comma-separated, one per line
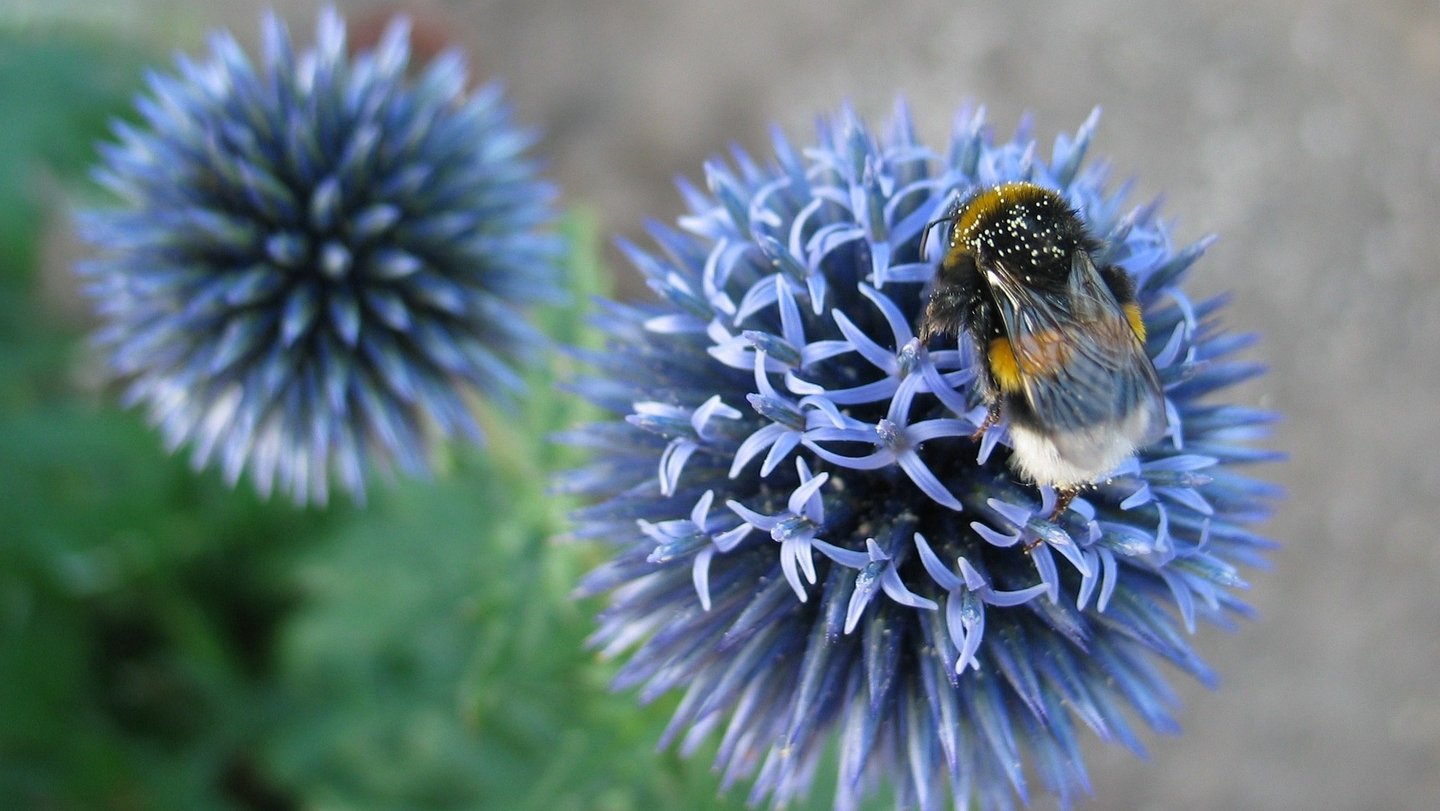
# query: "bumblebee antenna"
[951,209]
[925,232]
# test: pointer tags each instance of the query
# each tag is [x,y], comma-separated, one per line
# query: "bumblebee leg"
[1062,503]
[991,417]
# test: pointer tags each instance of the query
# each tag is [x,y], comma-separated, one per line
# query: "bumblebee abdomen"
[1046,357]
[1076,457]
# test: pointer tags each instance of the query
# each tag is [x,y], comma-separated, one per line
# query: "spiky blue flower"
[808,544]
[318,257]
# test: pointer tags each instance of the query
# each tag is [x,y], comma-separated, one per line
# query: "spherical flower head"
[318,257]
[810,544]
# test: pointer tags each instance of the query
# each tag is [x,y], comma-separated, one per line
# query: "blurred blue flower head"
[318,258]
[809,544]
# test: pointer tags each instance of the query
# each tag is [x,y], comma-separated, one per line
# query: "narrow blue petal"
[942,576]
[344,314]
[242,336]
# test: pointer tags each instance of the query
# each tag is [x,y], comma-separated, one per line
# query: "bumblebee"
[1061,343]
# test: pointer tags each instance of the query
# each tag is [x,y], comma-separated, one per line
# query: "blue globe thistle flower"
[317,257]
[809,545]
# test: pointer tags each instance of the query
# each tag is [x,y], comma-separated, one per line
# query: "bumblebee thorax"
[1025,227]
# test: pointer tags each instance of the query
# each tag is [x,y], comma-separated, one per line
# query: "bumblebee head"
[1020,229]
[945,312]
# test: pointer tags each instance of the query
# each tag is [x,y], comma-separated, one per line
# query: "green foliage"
[140,605]
[137,601]
[57,93]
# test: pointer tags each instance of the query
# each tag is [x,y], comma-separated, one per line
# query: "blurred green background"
[168,643]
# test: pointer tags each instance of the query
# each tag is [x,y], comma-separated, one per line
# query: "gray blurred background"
[1305,134]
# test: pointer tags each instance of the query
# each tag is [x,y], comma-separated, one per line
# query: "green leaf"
[57,93]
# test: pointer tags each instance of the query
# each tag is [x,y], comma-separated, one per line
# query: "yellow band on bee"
[1137,322]
[1003,366]
[1046,353]
[1043,354]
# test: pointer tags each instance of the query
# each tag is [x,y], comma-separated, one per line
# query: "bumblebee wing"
[1082,369]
